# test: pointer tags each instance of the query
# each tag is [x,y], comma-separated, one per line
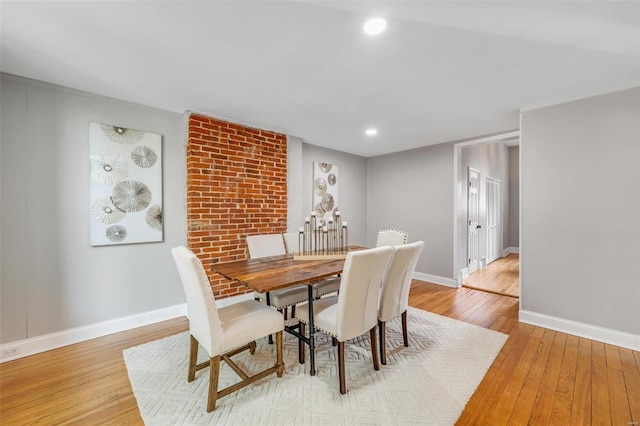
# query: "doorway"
[500,277]
[498,238]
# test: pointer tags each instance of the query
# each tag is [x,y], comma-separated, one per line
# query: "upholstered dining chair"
[266,245]
[391,237]
[327,286]
[394,293]
[354,310]
[330,285]
[223,332]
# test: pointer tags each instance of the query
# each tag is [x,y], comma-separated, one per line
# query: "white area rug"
[428,383]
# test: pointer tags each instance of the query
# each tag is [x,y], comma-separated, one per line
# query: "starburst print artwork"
[125,185]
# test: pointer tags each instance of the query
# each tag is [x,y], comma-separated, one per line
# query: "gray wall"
[51,278]
[514,197]
[413,191]
[580,239]
[491,160]
[352,189]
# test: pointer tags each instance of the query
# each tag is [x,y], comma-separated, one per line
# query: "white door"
[473,217]
[494,219]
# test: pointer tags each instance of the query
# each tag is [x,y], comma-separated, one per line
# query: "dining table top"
[277,272]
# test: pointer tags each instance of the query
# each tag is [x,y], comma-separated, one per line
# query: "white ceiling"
[442,71]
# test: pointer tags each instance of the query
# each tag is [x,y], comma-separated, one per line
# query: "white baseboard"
[449,282]
[593,332]
[510,250]
[46,342]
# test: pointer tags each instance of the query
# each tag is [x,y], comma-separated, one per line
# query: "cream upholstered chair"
[330,285]
[266,245]
[391,237]
[223,332]
[394,294]
[354,310]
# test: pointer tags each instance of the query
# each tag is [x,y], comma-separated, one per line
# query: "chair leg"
[214,374]
[252,347]
[279,362]
[343,384]
[382,328]
[293,311]
[301,345]
[374,348]
[405,334]
[193,358]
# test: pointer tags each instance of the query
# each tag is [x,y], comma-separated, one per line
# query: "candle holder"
[317,241]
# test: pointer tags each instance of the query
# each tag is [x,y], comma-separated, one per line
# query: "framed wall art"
[125,188]
[325,191]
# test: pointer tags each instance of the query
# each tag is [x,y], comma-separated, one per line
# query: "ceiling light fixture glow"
[371,132]
[374,26]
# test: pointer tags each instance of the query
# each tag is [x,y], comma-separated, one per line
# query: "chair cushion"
[325,312]
[246,321]
[289,296]
[327,286]
[286,297]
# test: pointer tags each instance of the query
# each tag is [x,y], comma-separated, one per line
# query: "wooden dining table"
[267,274]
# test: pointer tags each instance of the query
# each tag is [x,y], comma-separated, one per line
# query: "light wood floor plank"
[600,406]
[581,404]
[613,357]
[561,408]
[632,381]
[618,401]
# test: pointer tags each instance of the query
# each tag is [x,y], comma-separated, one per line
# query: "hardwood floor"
[501,276]
[540,377]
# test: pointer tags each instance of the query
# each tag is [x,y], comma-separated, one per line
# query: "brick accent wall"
[236,186]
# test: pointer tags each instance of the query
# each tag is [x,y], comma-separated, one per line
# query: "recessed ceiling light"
[371,132]
[374,26]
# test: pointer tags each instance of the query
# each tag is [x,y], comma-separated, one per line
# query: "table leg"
[312,337]
[269,304]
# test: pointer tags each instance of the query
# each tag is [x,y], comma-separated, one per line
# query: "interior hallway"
[501,276]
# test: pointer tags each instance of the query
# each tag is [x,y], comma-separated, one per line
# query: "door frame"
[458,268]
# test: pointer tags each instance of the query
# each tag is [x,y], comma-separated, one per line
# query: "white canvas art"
[325,191]
[125,187]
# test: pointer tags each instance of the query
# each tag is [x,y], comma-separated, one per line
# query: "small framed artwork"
[325,191]
[125,185]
